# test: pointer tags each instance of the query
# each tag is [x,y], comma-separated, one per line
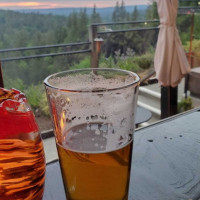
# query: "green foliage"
[196,26]
[188,3]
[135,14]
[36,96]
[21,30]
[144,61]
[184,38]
[184,26]
[119,13]
[128,64]
[14,83]
[128,61]
[107,62]
[85,63]
[95,17]
[33,94]
[195,47]
[43,105]
[185,104]
[151,12]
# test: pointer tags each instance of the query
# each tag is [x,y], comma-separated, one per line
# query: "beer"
[22,169]
[89,171]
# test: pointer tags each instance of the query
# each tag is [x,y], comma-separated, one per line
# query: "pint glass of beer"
[93,112]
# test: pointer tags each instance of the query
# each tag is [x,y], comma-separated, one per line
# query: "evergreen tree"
[123,13]
[95,17]
[119,13]
[152,12]
[83,25]
[116,13]
[135,14]
[72,27]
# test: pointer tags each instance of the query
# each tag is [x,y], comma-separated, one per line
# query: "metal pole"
[44,55]
[169,101]
[94,53]
[43,47]
[1,76]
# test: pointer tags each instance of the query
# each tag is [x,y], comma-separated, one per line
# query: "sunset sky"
[35,4]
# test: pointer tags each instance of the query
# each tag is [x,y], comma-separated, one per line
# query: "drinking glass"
[93,112]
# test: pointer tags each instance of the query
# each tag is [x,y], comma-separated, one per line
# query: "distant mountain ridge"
[67,11]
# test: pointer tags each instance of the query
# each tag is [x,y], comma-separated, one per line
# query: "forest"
[128,50]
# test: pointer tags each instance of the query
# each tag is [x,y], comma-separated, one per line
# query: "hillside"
[36,29]
[68,11]
[105,13]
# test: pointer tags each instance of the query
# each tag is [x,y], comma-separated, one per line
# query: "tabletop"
[165,165]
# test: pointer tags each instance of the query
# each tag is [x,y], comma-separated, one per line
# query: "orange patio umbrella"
[170,61]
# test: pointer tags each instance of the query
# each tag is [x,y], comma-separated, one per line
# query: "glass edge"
[136,82]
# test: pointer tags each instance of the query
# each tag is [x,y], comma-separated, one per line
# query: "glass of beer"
[93,112]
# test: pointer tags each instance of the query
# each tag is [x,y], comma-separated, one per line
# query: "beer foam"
[90,82]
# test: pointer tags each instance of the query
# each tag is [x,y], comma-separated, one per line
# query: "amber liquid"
[96,175]
[22,169]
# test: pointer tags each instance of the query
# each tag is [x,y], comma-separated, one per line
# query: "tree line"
[34,29]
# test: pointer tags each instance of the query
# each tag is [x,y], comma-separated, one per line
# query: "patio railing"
[94,49]
[93,43]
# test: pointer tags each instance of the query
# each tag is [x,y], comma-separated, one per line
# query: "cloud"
[27,4]
[15,4]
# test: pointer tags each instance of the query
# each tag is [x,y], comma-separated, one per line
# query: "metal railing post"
[1,76]
[94,53]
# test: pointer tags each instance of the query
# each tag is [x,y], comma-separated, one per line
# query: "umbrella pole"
[169,101]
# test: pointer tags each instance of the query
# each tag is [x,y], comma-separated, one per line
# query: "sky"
[37,4]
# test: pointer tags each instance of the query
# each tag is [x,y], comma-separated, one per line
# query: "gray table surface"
[166,163]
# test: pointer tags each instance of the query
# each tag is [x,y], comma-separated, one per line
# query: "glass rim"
[133,74]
